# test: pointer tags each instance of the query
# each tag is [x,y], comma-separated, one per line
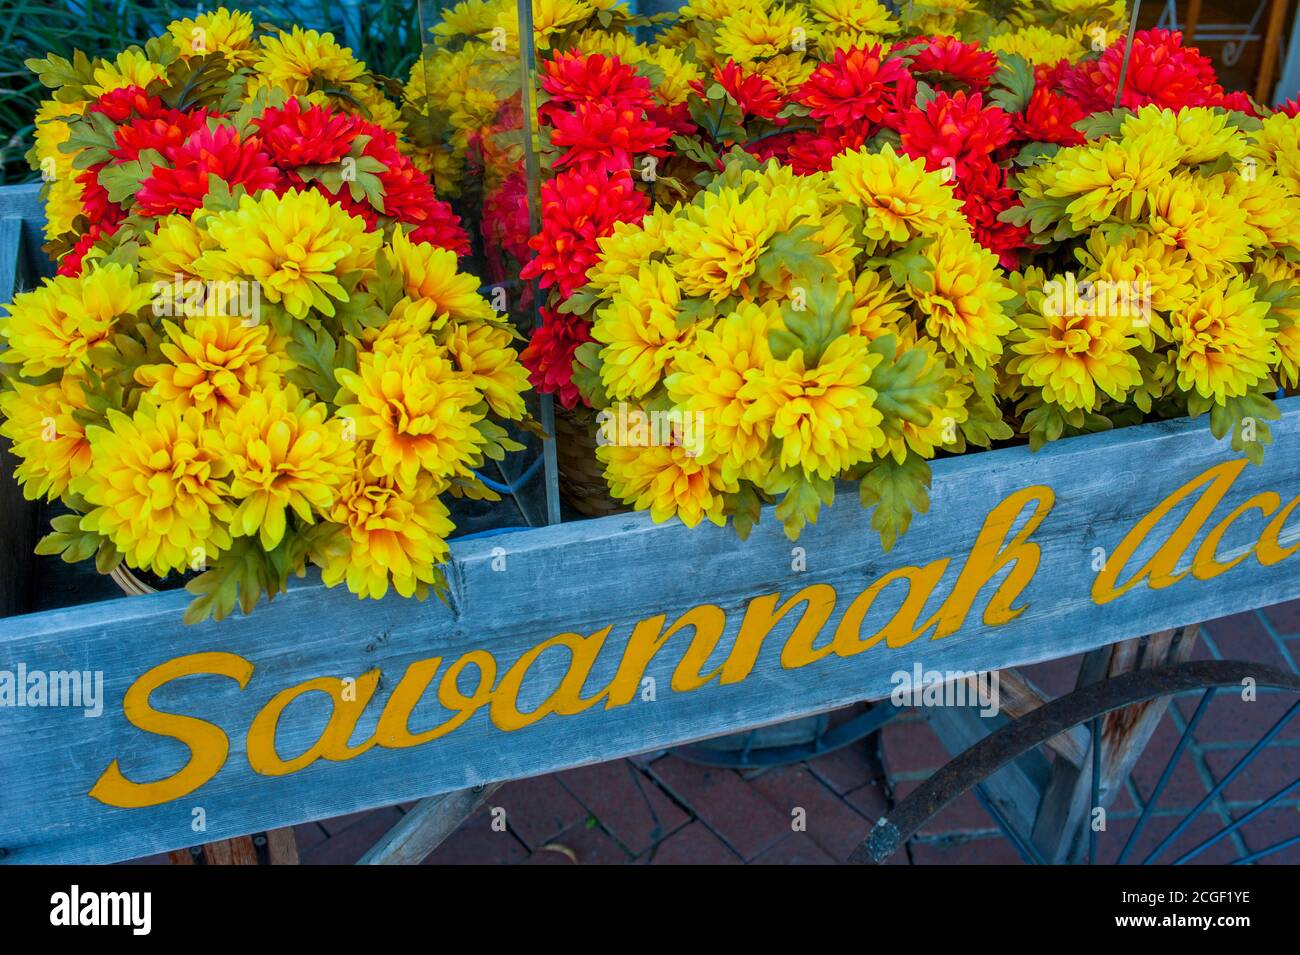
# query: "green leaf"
[1013,84]
[910,387]
[802,501]
[896,492]
[812,321]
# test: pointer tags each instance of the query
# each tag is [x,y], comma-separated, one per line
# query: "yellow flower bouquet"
[261,353]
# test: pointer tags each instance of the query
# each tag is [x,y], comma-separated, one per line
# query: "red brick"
[1230,719]
[309,835]
[1242,637]
[734,810]
[1270,828]
[590,845]
[995,850]
[339,823]
[911,749]
[1268,773]
[345,846]
[538,809]
[964,816]
[1285,618]
[845,769]
[627,802]
[831,822]
[1205,825]
[1054,677]
[477,843]
[798,848]
[1185,787]
[693,844]
[870,801]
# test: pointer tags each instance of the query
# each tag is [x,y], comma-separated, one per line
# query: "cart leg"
[1065,809]
[425,827]
[281,848]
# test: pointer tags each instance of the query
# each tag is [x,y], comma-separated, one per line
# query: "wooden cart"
[588,641]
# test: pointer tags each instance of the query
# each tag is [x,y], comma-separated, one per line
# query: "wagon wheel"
[1123,710]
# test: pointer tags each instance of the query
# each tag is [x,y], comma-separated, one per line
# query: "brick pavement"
[658,809]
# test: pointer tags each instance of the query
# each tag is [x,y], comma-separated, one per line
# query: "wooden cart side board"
[553,651]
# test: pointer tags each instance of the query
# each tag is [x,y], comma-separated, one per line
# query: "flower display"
[260,351]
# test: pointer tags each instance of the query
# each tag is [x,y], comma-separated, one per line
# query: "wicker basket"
[131,585]
[582,480]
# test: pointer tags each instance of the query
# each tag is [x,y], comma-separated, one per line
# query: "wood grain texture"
[423,829]
[584,577]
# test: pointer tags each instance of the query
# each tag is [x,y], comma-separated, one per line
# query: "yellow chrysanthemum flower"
[1272,209]
[467,18]
[879,307]
[430,272]
[1276,145]
[284,453]
[626,249]
[56,325]
[824,418]
[46,437]
[1075,352]
[707,379]
[175,247]
[63,196]
[390,533]
[158,489]
[214,364]
[668,482]
[963,305]
[1111,177]
[482,352]
[417,409]
[219,31]
[899,199]
[1202,134]
[862,16]
[1194,213]
[130,68]
[1143,261]
[715,245]
[639,331]
[1225,341]
[300,60]
[1038,45]
[297,246]
[756,33]
[786,71]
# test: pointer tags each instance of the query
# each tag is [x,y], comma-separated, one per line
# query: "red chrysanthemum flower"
[858,84]
[166,132]
[549,356]
[753,92]
[296,137]
[1051,76]
[577,209]
[220,151]
[71,263]
[985,196]
[603,139]
[1160,71]
[572,78]
[676,119]
[1240,101]
[98,208]
[812,151]
[951,59]
[1049,118]
[119,105]
[505,216]
[955,130]
[441,227]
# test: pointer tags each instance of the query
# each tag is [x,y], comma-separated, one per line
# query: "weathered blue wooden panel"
[602,580]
